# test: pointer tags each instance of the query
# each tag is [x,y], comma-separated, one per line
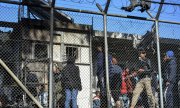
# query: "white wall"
[81,41]
[84,95]
[56,53]
[84,55]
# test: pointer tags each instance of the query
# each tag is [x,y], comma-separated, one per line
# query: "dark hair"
[97,92]
[114,55]
[71,60]
[141,49]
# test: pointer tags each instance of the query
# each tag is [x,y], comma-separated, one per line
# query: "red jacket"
[123,84]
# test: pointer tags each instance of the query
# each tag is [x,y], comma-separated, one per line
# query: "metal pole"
[20,83]
[91,67]
[19,12]
[51,59]
[106,59]
[106,49]
[159,64]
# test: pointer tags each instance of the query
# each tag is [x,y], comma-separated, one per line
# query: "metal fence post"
[104,13]
[51,57]
[106,59]
[159,64]
[91,66]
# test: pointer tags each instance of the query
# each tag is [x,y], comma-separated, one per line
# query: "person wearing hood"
[170,77]
[71,82]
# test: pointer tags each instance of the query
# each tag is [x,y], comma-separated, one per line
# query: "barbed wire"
[123,3]
[114,7]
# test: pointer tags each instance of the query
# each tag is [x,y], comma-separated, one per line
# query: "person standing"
[101,75]
[170,77]
[144,74]
[115,81]
[71,82]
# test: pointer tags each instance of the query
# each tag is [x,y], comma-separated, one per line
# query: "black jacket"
[71,77]
[146,65]
[170,70]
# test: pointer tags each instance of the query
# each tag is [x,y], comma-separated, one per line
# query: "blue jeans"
[71,95]
[125,100]
[96,103]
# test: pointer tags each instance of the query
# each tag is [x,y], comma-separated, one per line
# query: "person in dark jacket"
[115,81]
[101,75]
[144,73]
[71,82]
[170,77]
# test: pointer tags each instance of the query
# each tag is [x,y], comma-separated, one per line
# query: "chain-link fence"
[136,63]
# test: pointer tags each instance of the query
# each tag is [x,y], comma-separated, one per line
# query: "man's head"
[114,59]
[169,54]
[97,93]
[71,60]
[142,52]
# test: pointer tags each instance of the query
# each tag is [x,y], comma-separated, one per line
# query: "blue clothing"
[100,59]
[170,70]
[101,74]
[115,76]
[101,64]
[169,96]
[115,69]
[71,95]
[101,69]
[125,100]
[96,103]
[170,54]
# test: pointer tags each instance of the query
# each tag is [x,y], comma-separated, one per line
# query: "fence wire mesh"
[169,42]
[132,60]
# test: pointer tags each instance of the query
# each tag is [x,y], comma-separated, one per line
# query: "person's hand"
[141,70]
[167,83]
